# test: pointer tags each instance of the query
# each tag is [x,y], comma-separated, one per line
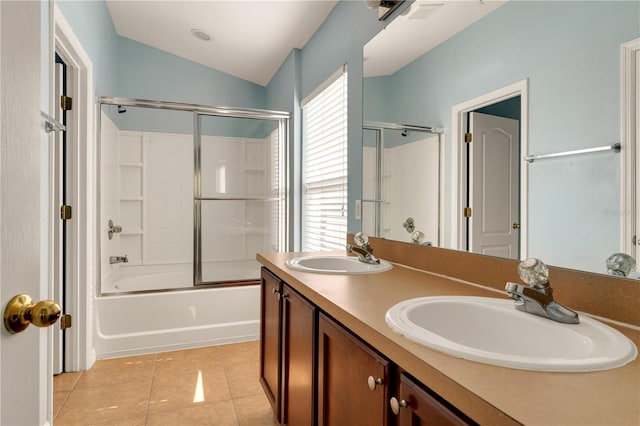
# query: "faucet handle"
[534,272]
[620,264]
[361,239]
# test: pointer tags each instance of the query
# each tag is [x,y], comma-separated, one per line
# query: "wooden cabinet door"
[298,349]
[270,339]
[344,367]
[419,407]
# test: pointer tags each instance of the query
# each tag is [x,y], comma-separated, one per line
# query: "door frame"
[458,129]
[630,158]
[79,354]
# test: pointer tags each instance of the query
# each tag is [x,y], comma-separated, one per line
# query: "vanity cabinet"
[287,351]
[416,406]
[316,371]
[353,380]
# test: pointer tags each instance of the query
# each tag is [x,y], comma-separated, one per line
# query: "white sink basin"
[492,331]
[336,265]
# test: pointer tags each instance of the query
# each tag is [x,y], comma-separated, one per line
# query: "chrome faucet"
[364,250]
[537,297]
[118,259]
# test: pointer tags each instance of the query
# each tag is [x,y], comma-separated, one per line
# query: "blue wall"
[148,73]
[283,94]
[570,52]
[123,67]
[91,22]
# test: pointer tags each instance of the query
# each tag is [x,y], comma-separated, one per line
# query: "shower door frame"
[282,118]
[283,239]
[379,127]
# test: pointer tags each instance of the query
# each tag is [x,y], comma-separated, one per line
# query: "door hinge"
[468,137]
[65,321]
[66,103]
[65,212]
[467,212]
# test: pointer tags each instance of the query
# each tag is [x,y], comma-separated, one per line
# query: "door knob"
[21,311]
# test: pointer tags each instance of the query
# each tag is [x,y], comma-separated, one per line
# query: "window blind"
[324,168]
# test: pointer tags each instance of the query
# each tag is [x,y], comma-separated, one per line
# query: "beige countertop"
[488,394]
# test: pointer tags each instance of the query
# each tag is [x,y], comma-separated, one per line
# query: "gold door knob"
[21,311]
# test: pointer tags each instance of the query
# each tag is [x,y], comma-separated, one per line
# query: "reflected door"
[239,196]
[493,227]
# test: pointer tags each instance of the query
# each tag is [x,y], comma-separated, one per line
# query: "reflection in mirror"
[433,58]
[401,182]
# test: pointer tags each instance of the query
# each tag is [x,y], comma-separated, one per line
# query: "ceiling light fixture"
[201,34]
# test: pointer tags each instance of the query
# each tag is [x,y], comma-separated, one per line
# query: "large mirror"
[526,79]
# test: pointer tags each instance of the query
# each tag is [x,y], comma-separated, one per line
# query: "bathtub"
[142,323]
[133,278]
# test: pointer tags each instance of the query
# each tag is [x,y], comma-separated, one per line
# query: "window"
[324,166]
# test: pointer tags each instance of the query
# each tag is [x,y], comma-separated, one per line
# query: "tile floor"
[216,385]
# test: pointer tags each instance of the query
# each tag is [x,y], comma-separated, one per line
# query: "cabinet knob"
[373,382]
[397,405]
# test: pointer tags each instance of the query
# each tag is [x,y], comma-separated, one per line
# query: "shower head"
[121,109]
[405,132]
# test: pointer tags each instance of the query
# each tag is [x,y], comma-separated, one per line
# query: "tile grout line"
[66,398]
[226,377]
[153,377]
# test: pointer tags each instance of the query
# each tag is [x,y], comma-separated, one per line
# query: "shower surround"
[193,210]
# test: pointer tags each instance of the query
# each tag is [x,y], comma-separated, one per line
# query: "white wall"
[410,188]
[109,193]
[147,188]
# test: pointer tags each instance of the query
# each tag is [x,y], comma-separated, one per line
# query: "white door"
[25,361]
[494,183]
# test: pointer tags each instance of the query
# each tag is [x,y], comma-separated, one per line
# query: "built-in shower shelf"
[131,164]
[134,198]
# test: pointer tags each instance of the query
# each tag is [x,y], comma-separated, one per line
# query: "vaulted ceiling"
[249,39]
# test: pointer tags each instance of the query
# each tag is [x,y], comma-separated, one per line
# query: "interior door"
[636,213]
[59,150]
[494,183]
[25,367]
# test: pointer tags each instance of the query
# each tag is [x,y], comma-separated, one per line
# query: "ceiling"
[420,28]
[250,39]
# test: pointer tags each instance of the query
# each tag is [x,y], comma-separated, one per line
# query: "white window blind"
[324,168]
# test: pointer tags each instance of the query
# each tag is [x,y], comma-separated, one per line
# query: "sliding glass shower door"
[239,196]
[188,193]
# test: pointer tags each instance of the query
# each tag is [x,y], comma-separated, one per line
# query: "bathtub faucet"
[118,259]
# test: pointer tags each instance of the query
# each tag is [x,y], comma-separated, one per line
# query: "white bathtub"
[134,324]
[131,278]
